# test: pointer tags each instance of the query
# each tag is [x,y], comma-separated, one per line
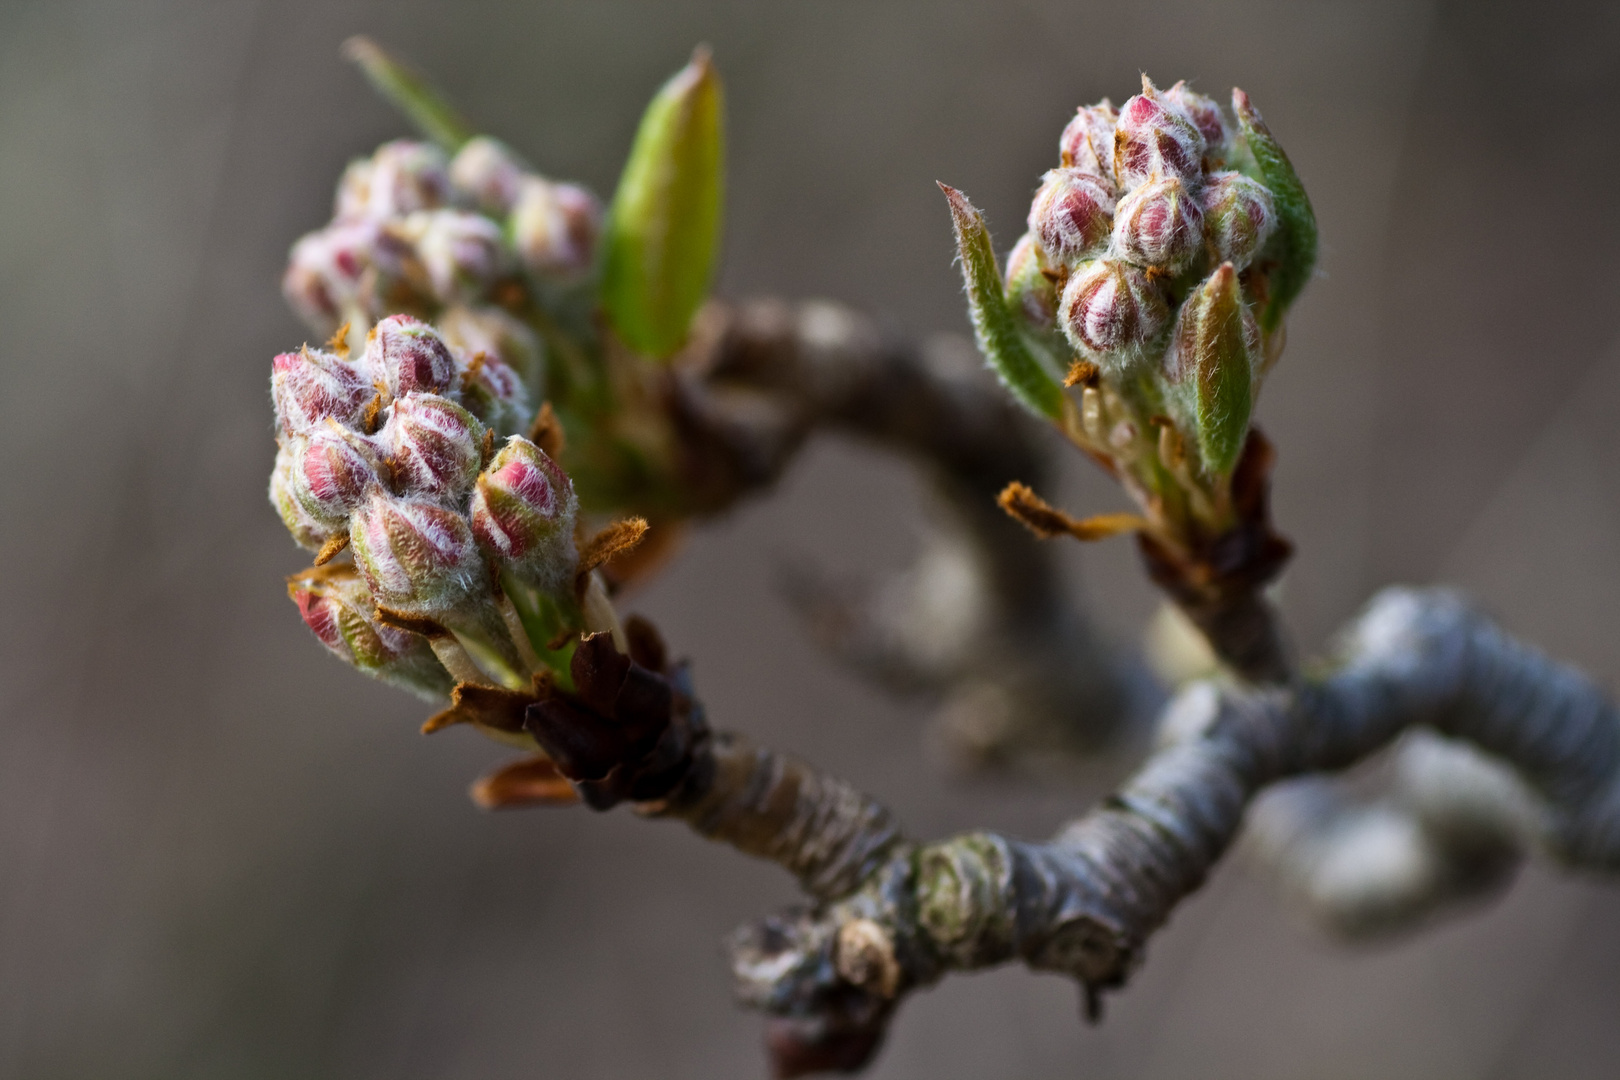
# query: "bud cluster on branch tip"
[415,231]
[1164,202]
[394,455]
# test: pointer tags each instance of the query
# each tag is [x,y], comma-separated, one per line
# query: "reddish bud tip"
[401,177]
[1071,215]
[1029,290]
[555,227]
[311,386]
[334,467]
[486,174]
[405,355]
[1110,307]
[416,555]
[1154,138]
[461,252]
[1204,113]
[523,513]
[1087,143]
[434,446]
[1239,215]
[1159,225]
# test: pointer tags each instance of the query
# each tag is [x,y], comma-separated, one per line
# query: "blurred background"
[224,855]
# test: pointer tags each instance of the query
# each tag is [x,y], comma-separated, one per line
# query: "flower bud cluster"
[1141,208]
[413,230]
[395,454]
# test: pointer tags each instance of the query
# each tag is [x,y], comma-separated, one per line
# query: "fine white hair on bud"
[435,447]
[404,354]
[493,392]
[486,175]
[1110,309]
[554,228]
[523,513]
[1087,143]
[491,331]
[401,177]
[340,270]
[1159,225]
[334,467]
[461,252]
[311,386]
[339,610]
[1072,215]
[1029,289]
[417,555]
[1203,112]
[1155,138]
[306,531]
[1239,215]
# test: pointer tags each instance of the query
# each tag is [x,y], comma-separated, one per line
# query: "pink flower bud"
[311,386]
[1087,143]
[491,331]
[336,605]
[1028,288]
[487,175]
[334,466]
[306,531]
[417,556]
[1159,225]
[326,277]
[405,355]
[435,447]
[523,514]
[1071,215]
[1239,215]
[1110,307]
[403,176]
[555,227]
[1154,138]
[461,252]
[1202,111]
[493,392]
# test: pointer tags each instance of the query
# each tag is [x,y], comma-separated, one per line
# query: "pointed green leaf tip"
[993,322]
[1217,346]
[663,232]
[1295,240]
[422,105]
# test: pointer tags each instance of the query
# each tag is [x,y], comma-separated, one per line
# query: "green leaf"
[1222,367]
[412,95]
[663,232]
[1295,240]
[994,323]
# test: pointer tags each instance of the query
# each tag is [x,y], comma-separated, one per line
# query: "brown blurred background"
[223,855]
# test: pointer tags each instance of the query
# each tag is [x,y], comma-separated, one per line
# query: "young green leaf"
[994,323]
[412,95]
[663,232]
[1209,365]
[1295,240]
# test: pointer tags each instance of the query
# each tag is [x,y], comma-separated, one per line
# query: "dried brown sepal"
[318,573]
[490,706]
[530,781]
[487,451]
[656,549]
[1082,373]
[1046,521]
[617,539]
[415,624]
[331,549]
[646,644]
[371,418]
[339,341]
[547,433]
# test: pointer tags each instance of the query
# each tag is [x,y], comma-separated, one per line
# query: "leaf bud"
[311,386]
[404,354]
[1155,138]
[334,466]
[1159,225]
[1204,113]
[523,511]
[1071,215]
[435,447]
[1029,290]
[338,608]
[417,556]
[401,177]
[1210,365]
[1087,143]
[494,393]
[306,531]
[555,227]
[462,252]
[1109,307]
[1239,215]
[486,174]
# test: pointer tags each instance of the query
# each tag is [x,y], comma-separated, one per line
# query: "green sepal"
[411,94]
[994,323]
[663,230]
[1294,242]
[1222,366]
